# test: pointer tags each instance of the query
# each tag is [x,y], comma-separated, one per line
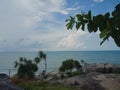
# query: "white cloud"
[72,9]
[98,0]
[19,18]
[27,13]
[40,10]
[33,25]
[72,41]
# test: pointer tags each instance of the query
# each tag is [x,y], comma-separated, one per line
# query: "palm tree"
[105,67]
[43,56]
[82,61]
[37,60]
[77,65]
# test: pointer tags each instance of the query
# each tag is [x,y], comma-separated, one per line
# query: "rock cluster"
[93,81]
[101,67]
[97,76]
[6,84]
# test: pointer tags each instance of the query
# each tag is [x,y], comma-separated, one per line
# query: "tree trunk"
[45,65]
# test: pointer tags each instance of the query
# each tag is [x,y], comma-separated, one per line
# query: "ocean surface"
[55,58]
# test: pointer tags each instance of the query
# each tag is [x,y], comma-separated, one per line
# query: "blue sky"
[32,25]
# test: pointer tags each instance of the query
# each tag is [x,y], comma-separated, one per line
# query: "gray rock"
[83,82]
[6,84]
[101,67]
[93,81]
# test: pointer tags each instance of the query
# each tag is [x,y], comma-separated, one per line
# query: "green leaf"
[90,26]
[106,38]
[67,20]
[105,33]
[86,16]
[72,19]
[83,26]
[78,24]
[85,21]
[102,35]
[79,17]
[107,15]
[89,15]
[71,22]
[68,26]
[102,42]
[95,28]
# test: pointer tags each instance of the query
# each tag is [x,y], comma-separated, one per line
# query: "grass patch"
[75,73]
[27,84]
[35,85]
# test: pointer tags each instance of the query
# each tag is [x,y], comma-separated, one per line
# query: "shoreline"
[90,80]
[90,67]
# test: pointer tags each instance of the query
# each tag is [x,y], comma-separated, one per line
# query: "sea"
[54,59]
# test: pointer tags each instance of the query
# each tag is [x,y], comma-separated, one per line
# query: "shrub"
[70,64]
[15,79]
[26,68]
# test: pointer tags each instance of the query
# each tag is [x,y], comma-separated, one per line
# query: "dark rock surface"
[6,84]
[101,67]
[83,82]
[93,81]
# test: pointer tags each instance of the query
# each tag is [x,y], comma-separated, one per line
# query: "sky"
[33,25]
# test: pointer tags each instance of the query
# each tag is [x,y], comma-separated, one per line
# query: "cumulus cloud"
[28,25]
[37,10]
[69,42]
[19,19]
[72,41]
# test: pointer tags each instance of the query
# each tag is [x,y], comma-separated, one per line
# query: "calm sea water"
[54,59]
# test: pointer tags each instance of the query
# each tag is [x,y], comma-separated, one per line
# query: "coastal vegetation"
[72,67]
[70,77]
[69,65]
[33,85]
[25,77]
[26,68]
[108,24]
[41,56]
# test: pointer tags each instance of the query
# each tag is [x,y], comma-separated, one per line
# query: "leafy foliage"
[43,56]
[69,65]
[26,68]
[108,24]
